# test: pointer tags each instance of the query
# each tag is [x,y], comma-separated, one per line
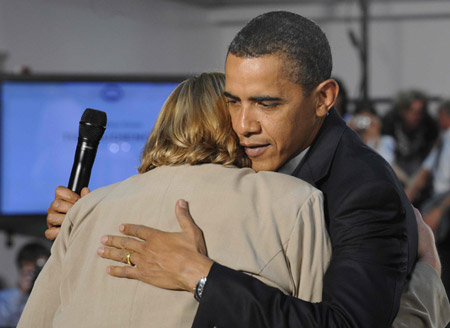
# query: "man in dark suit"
[280,99]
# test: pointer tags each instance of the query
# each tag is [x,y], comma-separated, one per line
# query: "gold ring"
[129,258]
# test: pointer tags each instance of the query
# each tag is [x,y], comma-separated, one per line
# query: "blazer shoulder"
[283,186]
[88,202]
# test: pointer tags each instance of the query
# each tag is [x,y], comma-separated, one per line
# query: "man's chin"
[263,166]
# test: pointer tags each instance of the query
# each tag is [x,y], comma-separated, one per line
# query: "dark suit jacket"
[374,237]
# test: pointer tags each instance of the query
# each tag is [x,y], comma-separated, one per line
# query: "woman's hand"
[427,251]
[64,200]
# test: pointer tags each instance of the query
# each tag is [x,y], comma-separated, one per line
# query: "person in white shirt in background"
[436,209]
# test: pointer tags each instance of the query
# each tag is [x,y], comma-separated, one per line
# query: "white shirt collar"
[290,166]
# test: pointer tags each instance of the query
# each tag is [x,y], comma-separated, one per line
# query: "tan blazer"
[424,303]
[266,224]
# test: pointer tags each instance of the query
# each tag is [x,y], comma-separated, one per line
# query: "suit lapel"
[316,164]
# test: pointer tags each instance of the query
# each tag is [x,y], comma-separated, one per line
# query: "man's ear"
[327,92]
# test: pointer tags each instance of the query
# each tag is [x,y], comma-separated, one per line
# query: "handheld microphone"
[92,127]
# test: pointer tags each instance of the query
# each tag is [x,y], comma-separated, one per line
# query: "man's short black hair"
[301,41]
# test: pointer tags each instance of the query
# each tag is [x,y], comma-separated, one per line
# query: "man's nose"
[247,122]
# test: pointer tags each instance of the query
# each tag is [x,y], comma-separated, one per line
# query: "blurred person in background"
[414,131]
[436,169]
[366,123]
[30,260]
[436,209]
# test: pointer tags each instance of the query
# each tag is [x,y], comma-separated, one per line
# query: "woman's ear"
[327,92]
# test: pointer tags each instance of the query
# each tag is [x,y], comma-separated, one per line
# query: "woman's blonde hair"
[194,127]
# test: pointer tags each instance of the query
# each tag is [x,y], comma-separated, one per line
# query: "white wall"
[105,36]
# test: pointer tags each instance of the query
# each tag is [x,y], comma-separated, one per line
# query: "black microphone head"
[92,125]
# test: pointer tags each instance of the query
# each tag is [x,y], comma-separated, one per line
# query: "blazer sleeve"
[308,250]
[362,286]
[45,299]
[424,303]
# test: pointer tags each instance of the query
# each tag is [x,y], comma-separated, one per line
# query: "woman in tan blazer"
[271,225]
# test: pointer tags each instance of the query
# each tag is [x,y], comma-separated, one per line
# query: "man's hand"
[427,251]
[64,200]
[166,260]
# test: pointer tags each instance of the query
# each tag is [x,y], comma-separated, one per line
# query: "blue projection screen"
[39,134]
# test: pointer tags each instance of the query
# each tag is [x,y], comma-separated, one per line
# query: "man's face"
[272,118]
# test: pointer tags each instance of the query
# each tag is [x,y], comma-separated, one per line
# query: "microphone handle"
[82,165]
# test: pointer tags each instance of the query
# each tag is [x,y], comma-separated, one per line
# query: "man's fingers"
[66,194]
[85,191]
[123,272]
[184,216]
[52,233]
[139,231]
[121,242]
[187,224]
[115,254]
